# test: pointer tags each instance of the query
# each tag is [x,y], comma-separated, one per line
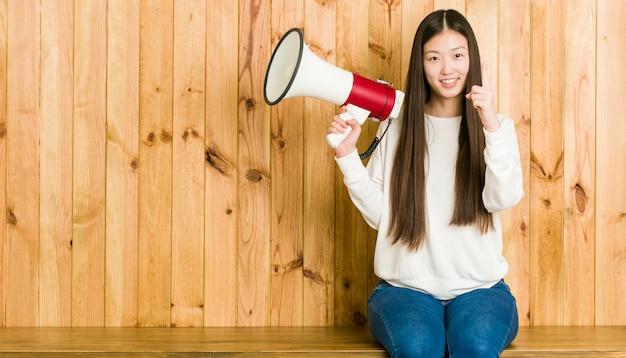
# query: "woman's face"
[446,64]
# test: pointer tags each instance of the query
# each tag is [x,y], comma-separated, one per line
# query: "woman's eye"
[458,55]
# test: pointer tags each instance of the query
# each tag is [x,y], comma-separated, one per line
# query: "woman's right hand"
[339,126]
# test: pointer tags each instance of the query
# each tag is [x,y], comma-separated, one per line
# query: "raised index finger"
[485,77]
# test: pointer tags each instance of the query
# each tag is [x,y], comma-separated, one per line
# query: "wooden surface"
[293,341]
[154,247]
[144,181]
[21,247]
[568,341]
[122,164]
[88,239]
[610,171]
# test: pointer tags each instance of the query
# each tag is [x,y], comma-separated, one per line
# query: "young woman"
[433,189]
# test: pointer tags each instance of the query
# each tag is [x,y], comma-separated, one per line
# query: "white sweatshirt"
[453,259]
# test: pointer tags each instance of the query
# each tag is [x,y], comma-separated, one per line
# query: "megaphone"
[294,70]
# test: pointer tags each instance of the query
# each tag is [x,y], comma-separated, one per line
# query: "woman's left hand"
[483,100]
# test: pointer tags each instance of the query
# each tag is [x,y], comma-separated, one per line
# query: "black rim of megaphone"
[267,72]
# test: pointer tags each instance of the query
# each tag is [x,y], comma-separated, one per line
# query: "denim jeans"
[409,323]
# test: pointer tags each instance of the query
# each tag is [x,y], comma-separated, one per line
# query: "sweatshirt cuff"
[350,165]
[498,137]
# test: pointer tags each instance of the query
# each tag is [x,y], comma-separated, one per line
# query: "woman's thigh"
[407,322]
[481,323]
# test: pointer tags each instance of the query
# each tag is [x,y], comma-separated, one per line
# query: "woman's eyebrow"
[451,50]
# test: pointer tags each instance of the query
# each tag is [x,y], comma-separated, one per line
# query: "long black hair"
[408,181]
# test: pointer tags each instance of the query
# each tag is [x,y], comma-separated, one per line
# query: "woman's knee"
[407,323]
[468,348]
[412,348]
[406,343]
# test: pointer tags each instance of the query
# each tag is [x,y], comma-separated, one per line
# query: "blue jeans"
[410,323]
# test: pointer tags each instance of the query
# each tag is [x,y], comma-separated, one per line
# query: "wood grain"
[145,182]
[21,252]
[514,98]
[579,168]
[55,264]
[286,255]
[221,207]
[88,242]
[282,342]
[253,271]
[610,187]
[546,165]
[188,164]
[122,150]
[154,248]
[3,153]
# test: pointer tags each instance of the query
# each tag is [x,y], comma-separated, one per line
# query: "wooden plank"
[610,168]
[3,152]
[155,168]
[221,209]
[412,15]
[55,261]
[579,168]
[352,263]
[319,177]
[122,162]
[188,164]
[567,341]
[88,243]
[194,342]
[483,16]
[254,166]
[514,101]
[458,5]
[22,186]
[89,164]
[286,301]
[546,172]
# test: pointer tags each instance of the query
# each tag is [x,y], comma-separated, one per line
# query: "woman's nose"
[446,67]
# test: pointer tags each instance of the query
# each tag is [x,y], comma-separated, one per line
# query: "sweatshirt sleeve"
[364,185]
[504,185]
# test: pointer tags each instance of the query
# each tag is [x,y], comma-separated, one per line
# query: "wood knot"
[217,161]
[293,264]
[3,131]
[166,136]
[281,143]
[581,198]
[250,104]
[134,164]
[11,219]
[190,133]
[150,138]
[359,318]
[315,277]
[254,175]
[380,50]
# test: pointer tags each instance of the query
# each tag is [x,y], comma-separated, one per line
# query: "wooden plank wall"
[146,183]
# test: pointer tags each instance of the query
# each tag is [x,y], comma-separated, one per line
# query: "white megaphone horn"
[295,71]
